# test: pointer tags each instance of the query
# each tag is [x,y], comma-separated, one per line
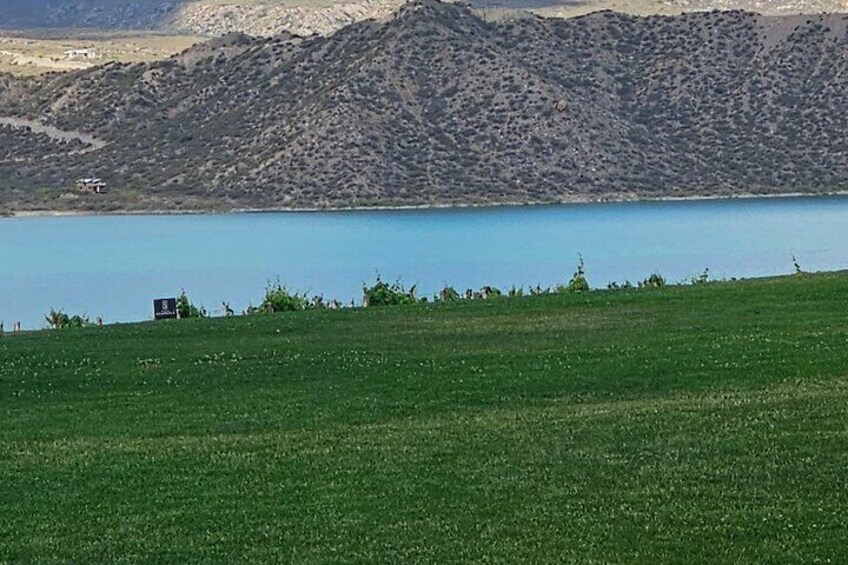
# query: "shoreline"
[618,199]
[683,283]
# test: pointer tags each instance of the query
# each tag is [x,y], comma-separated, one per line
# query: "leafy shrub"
[447,294]
[280,299]
[185,308]
[654,281]
[578,282]
[385,294]
[487,292]
[59,320]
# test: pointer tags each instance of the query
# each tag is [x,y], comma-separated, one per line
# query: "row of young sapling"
[279,298]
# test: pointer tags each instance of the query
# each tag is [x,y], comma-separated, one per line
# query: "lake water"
[114,266]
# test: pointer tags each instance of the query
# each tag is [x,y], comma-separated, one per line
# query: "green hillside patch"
[684,424]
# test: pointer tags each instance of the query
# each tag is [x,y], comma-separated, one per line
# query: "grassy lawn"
[696,424]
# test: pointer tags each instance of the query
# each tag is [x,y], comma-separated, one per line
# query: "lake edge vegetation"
[280,298]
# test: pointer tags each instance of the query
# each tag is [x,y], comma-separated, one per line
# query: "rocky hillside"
[305,17]
[437,106]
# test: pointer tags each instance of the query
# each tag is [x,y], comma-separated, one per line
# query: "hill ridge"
[438,106]
[269,17]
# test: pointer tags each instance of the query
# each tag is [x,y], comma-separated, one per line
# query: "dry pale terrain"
[36,53]
[45,31]
[304,17]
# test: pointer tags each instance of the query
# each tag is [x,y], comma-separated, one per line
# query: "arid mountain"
[305,17]
[438,106]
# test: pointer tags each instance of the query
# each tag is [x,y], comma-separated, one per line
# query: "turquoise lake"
[114,266]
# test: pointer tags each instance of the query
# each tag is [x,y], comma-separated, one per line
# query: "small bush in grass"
[278,298]
[578,282]
[59,320]
[447,294]
[654,281]
[487,292]
[185,308]
[382,293]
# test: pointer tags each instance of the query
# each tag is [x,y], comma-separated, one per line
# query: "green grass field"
[687,424]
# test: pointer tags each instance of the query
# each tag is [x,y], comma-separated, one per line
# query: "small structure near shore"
[81,54]
[92,185]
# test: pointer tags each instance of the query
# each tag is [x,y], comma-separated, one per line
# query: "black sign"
[165,308]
